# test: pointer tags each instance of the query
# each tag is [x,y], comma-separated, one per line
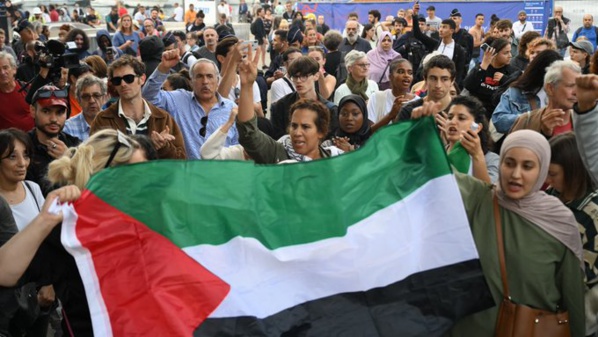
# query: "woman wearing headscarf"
[542,246]
[380,59]
[353,124]
[357,83]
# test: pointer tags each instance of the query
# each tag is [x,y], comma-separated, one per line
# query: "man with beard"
[91,94]
[133,115]
[49,106]
[209,50]
[353,41]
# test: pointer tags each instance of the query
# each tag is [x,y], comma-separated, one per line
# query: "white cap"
[36,10]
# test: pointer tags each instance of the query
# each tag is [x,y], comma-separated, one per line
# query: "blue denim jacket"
[512,103]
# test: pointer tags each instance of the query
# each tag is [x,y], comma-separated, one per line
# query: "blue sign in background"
[335,14]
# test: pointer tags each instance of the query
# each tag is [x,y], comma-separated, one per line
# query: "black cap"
[23,24]
[431,8]
[455,12]
[168,39]
[294,34]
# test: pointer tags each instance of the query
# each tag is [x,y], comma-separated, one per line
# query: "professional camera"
[52,55]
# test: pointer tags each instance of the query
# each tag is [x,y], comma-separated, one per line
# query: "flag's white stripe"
[97,307]
[426,230]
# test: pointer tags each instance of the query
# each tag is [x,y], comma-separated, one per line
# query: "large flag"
[371,243]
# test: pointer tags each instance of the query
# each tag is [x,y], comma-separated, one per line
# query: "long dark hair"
[8,139]
[366,27]
[564,152]
[532,79]
[477,110]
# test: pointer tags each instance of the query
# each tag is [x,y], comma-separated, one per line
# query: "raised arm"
[152,89]
[585,122]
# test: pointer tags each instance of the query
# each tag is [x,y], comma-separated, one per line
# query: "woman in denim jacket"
[525,94]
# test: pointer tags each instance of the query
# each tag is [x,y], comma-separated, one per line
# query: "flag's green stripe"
[279,205]
[459,158]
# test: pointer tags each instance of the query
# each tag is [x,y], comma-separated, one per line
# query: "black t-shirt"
[8,227]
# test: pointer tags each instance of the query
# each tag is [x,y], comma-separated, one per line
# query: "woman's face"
[556,177]
[13,166]
[534,51]
[504,56]
[126,22]
[305,136]
[359,70]
[312,37]
[317,56]
[166,86]
[459,120]
[402,77]
[79,41]
[370,33]
[350,118]
[386,43]
[519,171]
[284,25]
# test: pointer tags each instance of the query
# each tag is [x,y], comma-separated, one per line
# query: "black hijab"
[358,138]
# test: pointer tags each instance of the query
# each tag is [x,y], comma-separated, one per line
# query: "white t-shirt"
[257,97]
[520,28]
[377,110]
[279,89]
[178,14]
[344,90]
[26,210]
[447,49]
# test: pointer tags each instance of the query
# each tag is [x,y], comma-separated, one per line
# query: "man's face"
[522,17]
[7,72]
[320,20]
[371,19]
[180,44]
[49,120]
[154,14]
[439,83]
[588,20]
[128,91]
[191,7]
[431,13]
[563,94]
[401,13]
[351,29]
[457,20]
[91,100]
[148,25]
[304,84]
[445,31]
[211,37]
[558,11]
[577,55]
[292,57]
[422,25]
[288,6]
[309,25]
[505,33]
[479,20]
[205,81]
[353,18]
[114,11]
[142,10]
[399,27]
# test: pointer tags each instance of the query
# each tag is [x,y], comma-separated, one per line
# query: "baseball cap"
[431,8]
[50,95]
[521,12]
[455,12]
[23,24]
[583,45]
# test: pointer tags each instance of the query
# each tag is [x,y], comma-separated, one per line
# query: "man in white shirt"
[284,86]
[432,21]
[224,9]
[522,26]
[178,12]
[140,16]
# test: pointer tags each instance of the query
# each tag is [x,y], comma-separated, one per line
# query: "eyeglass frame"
[303,78]
[362,65]
[95,96]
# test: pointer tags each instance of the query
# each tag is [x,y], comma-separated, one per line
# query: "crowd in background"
[298,91]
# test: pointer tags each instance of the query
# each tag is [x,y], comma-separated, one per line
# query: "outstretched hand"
[248,69]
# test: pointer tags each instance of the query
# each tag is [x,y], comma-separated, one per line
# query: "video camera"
[52,55]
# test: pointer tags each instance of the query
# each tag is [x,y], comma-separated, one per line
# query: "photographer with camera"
[29,66]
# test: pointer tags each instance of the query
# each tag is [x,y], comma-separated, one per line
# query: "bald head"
[558,11]
[588,20]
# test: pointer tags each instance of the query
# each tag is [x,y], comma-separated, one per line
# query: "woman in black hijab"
[353,124]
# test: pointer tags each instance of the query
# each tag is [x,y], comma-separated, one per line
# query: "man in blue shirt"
[91,95]
[588,30]
[198,113]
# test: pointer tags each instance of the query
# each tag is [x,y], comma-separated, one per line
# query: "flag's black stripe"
[424,304]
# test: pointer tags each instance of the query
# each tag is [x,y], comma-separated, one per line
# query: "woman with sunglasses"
[308,127]
[357,82]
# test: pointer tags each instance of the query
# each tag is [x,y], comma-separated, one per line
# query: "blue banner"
[335,14]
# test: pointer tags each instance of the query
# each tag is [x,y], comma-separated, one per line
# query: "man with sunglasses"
[49,107]
[199,112]
[133,115]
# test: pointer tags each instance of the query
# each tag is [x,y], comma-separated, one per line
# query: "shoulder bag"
[518,320]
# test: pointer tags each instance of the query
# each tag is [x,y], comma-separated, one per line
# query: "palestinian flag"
[460,159]
[371,243]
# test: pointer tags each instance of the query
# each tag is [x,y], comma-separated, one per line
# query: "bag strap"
[288,82]
[501,250]
[384,71]
[32,195]
[532,102]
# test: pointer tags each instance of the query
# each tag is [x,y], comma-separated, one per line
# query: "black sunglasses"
[122,141]
[47,93]
[116,81]
[204,122]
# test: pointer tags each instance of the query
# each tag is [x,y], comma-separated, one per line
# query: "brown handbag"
[518,320]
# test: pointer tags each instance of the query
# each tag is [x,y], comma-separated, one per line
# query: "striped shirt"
[132,127]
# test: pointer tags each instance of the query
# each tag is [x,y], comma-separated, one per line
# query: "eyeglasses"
[363,65]
[204,122]
[87,97]
[122,141]
[49,92]
[301,78]
[116,81]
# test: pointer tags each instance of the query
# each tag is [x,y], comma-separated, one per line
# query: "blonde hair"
[541,41]
[80,163]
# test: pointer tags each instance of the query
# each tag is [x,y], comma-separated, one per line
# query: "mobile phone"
[253,44]
[71,45]
[484,47]
[474,126]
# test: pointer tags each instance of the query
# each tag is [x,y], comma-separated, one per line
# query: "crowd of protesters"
[526,116]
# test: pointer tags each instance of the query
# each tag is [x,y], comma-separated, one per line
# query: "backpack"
[253,27]
[341,71]
[188,54]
